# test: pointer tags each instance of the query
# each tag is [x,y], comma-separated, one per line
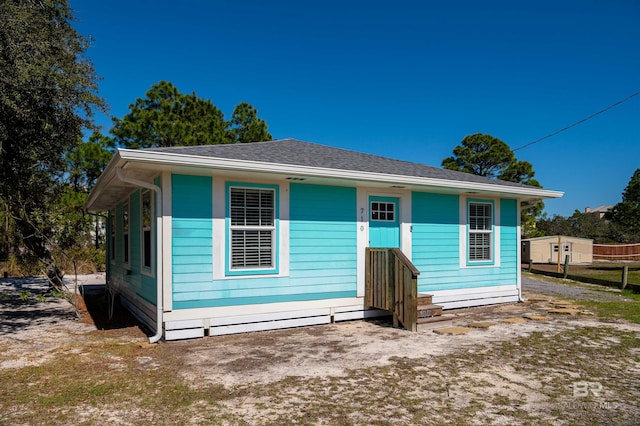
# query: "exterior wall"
[319,240]
[439,252]
[191,240]
[582,251]
[319,235]
[135,285]
[539,250]
[317,273]
[323,240]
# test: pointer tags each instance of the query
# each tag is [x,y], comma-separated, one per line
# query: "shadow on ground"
[27,303]
[96,305]
[30,303]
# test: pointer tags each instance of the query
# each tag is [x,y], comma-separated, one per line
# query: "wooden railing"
[391,283]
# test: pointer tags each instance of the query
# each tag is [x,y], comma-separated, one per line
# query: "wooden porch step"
[425,299]
[428,311]
[435,322]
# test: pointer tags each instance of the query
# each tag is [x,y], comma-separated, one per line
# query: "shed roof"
[292,157]
[554,238]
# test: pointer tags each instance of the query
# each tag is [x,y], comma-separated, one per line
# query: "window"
[383,212]
[125,232]
[252,226]
[480,227]
[147,223]
[112,232]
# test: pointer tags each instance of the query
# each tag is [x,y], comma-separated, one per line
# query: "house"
[599,211]
[550,249]
[231,238]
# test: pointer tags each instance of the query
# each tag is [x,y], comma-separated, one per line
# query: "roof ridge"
[157,148]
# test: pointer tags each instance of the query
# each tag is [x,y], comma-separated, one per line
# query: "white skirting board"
[187,329]
[188,333]
[464,298]
[141,314]
[268,325]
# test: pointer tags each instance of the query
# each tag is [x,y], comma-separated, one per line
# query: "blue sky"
[403,79]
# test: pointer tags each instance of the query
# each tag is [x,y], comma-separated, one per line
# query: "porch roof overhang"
[146,164]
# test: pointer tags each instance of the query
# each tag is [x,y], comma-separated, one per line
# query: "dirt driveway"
[565,369]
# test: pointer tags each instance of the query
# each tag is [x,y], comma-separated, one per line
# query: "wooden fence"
[615,252]
[391,283]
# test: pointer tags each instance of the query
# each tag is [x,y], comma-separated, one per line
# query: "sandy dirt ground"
[472,370]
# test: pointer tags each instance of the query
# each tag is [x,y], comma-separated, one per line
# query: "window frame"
[126,233]
[112,236]
[491,232]
[377,212]
[147,269]
[273,269]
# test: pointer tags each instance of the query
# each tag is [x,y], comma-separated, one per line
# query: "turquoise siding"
[131,276]
[191,236]
[509,239]
[319,267]
[323,238]
[435,240]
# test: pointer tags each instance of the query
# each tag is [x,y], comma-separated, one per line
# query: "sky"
[402,79]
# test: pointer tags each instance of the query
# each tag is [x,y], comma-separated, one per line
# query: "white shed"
[547,249]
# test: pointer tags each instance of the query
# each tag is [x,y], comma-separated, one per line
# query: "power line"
[578,122]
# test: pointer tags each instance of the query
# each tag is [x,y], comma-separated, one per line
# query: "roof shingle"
[306,154]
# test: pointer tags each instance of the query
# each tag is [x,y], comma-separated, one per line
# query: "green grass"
[624,309]
[605,273]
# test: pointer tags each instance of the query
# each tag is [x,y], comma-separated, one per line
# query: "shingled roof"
[305,154]
[292,159]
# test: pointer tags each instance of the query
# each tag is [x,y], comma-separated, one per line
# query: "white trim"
[283,238]
[126,206]
[181,325]
[519,249]
[113,236]
[219,325]
[462,232]
[167,241]
[159,157]
[271,229]
[219,229]
[273,316]
[475,296]
[139,307]
[268,325]
[222,311]
[362,224]
[287,319]
[395,212]
[406,223]
[149,271]
[189,333]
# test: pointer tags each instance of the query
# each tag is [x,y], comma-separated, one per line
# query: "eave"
[146,164]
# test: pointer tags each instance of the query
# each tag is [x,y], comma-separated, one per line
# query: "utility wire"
[578,122]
